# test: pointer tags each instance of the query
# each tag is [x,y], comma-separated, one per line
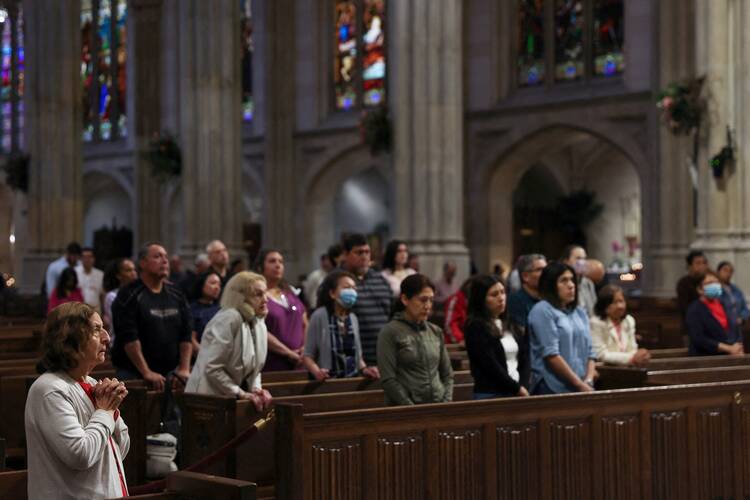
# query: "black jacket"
[487,357]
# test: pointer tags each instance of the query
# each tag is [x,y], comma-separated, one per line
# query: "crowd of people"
[215,330]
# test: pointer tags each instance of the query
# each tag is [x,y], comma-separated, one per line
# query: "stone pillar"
[724,220]
[210,123]
[279,209]
[428,124]
[667,238]
[53,133]
[144,78]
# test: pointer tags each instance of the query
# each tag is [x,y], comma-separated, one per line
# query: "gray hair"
[525,262]
[201,258]
[211,244]
[143,250]
[235,293]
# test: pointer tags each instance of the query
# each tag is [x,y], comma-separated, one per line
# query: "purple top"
[288,327]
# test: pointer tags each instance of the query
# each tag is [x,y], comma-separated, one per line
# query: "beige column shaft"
[53,132]
[428,110]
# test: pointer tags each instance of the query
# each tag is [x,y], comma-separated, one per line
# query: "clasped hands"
[109,393]
[260,398]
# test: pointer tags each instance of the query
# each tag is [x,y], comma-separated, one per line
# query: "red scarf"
[718,312]
[89,390]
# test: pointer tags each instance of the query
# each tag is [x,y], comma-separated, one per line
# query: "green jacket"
[413,362]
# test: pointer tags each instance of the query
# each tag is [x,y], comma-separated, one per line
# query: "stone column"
[669,235]
[722,55]
[279,213]
[210,122]
[144,78]
[53,133]
[428,122]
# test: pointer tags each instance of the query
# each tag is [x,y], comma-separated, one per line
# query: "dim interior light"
[628,277]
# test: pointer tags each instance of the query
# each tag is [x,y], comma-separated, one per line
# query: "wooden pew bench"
[671,371]
[666,442]
[211,421]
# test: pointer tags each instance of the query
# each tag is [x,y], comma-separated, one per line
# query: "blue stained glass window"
[569,26]
[530,43]
[608,38]
[248,48]
[12,72]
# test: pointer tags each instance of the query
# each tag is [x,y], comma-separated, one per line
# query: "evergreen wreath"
[165,157]
[17,172]
[682,106]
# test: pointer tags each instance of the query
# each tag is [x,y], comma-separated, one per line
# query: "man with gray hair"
[530,267]
[218,256]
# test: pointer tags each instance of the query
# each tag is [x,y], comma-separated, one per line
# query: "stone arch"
[107,198]
[322,187]
[501,165]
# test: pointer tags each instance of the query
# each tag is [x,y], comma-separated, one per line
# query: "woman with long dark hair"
[66,289]
[332,345]
[412,358]
[395,267]
[120,273]
[286,319]
[499,359]
[562,357]
[207,290]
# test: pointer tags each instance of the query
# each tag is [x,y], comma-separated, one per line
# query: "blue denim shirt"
[566,333]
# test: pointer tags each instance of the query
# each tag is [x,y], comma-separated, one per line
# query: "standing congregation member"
[447,285]
[119,274]
[412,358]
[90,279]
[66,289]
[153,324]
[613,330]
[218,257]
[333,347]
[235,343]
[208,291]
[734,296]
[530,267]
[499,359]
[687,286]
[711,325]
[394,265]
[373,305]
[575,257]
[69,259]
[286,320]
[562,357]
[314,280]
[456,311]
[76,439]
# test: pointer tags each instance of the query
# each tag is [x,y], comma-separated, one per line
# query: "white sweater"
[69,455]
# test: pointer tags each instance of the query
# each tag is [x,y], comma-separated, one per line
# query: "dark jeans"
[541,389]
[487,395]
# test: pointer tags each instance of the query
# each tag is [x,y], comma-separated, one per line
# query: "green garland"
[682,106]
[375,130]
[17,172]
[165,157]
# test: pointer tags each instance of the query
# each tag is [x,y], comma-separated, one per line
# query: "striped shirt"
[373,309]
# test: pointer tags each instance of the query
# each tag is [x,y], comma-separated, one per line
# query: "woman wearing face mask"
[499,360]
[413,362]
[613,330]
[332,346]
[710,323]
[235,344]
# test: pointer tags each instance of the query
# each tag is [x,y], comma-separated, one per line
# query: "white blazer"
[605,341]
[232,352]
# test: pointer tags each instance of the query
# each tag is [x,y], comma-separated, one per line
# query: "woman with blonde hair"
[76,438]
[235,343]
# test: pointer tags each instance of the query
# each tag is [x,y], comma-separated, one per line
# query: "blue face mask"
[347,298]
[713,290]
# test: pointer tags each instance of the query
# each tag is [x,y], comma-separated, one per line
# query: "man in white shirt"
[90,279]
[69,259]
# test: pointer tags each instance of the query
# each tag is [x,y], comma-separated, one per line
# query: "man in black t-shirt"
[153,323]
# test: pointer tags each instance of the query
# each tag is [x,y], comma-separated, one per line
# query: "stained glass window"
[246,30]
[569,26]
[103,68]
[530,42]
[373,52]
[12,72]
[608,37]
[359,65]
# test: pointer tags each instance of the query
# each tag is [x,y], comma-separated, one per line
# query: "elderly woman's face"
[94,351]
[256,297]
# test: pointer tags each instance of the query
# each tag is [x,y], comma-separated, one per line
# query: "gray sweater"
[318,342]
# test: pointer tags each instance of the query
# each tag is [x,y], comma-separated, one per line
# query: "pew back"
[668,442]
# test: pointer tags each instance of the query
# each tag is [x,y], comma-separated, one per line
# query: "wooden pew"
[211,421]
[282,389]
[179,486]
[2,454]
[666,442]
[284,376]
[677,352]
[672,371]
